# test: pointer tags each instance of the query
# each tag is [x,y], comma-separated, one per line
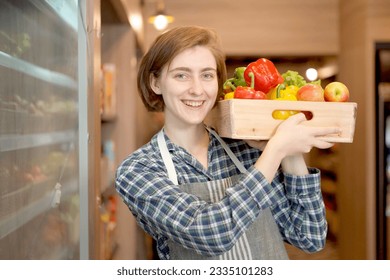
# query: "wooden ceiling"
[295,34]
[259,27]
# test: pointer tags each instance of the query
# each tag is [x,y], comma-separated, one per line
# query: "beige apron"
[262,240]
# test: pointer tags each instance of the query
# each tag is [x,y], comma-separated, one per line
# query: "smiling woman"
[189,87]
[203,197]
[163,52]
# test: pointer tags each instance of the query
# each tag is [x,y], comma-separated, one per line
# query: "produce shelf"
[38,72]
[65,10]
[17,142]
[17,219]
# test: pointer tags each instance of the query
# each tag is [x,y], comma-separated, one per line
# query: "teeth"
[193,103]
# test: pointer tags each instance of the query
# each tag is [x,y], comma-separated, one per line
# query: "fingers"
[317,131]
[298,122]
[297,135]
[323,131]
[297,118]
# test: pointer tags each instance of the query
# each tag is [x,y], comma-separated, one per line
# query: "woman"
[203,197]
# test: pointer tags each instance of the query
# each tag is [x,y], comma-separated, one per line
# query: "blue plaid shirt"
[166,212]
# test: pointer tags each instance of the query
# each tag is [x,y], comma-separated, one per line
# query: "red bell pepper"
[263,74]
[248,93]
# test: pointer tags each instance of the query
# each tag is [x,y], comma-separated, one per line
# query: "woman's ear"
[155,84]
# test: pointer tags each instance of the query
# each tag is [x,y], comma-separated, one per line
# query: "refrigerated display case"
[383,149]
[39,130]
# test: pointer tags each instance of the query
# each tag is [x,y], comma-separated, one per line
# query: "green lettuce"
[293,78]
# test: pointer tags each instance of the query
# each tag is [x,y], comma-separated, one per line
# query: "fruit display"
[21,115]
[39,130]
[14,44]
[261,80]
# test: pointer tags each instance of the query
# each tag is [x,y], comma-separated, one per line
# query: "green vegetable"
[238,76]
[292,78]
[237,80]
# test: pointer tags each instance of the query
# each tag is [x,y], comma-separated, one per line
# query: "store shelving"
[39,132]
[13,142]
[65,10]
[28,212]
[35,71]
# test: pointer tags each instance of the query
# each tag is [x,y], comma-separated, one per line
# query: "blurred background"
[70,113]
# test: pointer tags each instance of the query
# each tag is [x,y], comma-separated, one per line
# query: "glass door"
[382,58]
[39,155]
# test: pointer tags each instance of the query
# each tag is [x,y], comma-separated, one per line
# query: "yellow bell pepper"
[229,95]
[281,92]
[283,115]
[290,90]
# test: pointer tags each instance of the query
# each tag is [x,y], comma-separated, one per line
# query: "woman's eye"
[181,76]
[208,76]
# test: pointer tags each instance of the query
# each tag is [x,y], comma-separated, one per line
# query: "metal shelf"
[32,210]
[16,142]
[38,72]
[65,10]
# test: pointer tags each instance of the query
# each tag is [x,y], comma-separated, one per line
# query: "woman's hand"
[292,139]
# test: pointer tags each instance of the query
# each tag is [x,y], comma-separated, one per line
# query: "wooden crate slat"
[252,119]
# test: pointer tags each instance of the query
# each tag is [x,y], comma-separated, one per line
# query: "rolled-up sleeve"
[300,212]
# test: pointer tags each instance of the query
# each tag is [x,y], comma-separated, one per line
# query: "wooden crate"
[252,119]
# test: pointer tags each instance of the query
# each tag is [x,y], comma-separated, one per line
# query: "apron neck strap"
[232,156]
[166,156]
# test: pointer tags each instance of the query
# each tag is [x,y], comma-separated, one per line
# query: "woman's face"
[189,86]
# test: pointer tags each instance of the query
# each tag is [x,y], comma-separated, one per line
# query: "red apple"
[310,92]
[336,92]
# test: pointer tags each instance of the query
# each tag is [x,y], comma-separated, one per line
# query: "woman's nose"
[196,87]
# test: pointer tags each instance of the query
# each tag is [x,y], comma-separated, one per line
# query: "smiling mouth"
[193,104]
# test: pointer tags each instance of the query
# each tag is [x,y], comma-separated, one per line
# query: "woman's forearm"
[295,165]
[269,161]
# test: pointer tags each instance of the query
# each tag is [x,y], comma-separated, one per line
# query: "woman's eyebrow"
[209,69]
[187,69]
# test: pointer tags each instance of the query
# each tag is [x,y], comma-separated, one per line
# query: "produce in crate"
[286,91]
[311,92]
[258,119]
[237,87]
[252,81]
[336,92]
[292,78]
[248,93]
[263,74]
[283,93]
[237,80]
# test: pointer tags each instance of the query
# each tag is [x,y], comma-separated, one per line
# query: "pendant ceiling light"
[161,19]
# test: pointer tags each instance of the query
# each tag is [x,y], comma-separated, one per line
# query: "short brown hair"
[165,48]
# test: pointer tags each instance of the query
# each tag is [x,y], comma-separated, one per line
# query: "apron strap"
[166,156]
[232,156]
